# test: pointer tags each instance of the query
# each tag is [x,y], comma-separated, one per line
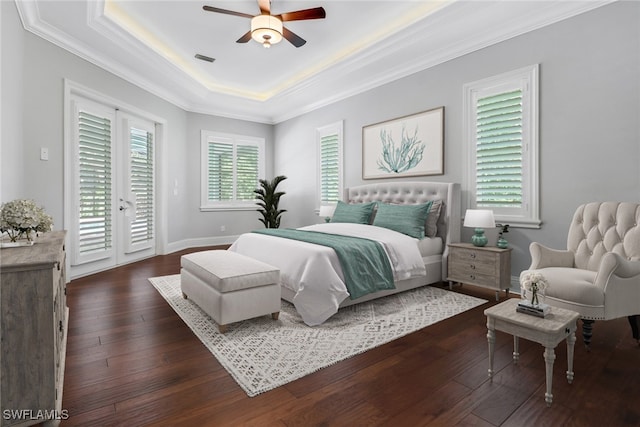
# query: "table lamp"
[479,219]
[326,211]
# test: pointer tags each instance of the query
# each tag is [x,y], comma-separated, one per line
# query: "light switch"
[44,153]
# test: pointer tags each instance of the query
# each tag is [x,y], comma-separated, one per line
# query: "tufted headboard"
[601,227]
[416,192]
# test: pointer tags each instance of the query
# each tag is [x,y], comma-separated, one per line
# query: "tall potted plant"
[268,199]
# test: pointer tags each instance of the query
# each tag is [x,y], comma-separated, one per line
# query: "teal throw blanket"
[364,262]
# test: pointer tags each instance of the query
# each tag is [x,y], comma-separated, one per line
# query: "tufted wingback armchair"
[598,275]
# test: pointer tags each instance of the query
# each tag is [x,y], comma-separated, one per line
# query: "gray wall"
[11,159]
[589,120]
[206,226]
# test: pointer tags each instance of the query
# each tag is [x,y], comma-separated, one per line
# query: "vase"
[502,243]
[534,297]
[18,238]
[29,235]
[535,301]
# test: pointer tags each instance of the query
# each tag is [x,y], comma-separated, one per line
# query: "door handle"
[126,204]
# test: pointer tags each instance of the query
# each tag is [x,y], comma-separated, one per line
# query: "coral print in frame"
[407,146]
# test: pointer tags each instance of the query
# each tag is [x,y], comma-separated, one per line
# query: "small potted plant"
[19,218]
[502,242]
[268,199]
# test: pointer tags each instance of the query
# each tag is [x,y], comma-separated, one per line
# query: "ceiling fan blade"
[299,15]
[265,7]
[227,12]
[293,38]
[245,38]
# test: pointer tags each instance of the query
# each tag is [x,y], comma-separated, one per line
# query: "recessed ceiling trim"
[309,93]
[375,44]
[116,23]
[32,22]
[471,43]
[124,22]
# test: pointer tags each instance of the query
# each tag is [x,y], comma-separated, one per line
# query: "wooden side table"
[486,266]
[549,331]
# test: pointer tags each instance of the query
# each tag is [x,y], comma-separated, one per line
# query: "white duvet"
[313,272]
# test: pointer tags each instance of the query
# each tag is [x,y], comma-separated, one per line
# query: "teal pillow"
[405,219]
[357,213]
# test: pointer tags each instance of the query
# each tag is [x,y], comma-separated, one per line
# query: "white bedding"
[313,272]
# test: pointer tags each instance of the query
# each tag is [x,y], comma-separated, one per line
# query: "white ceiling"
[359,45]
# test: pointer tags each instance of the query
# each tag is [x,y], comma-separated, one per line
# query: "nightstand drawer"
[485,266]
[475,278]
[473,253]
[466,263]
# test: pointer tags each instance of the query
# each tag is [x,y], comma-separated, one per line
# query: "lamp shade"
[266,29]
[479,218]
[326,211]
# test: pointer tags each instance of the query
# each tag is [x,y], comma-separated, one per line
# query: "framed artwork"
[407,146]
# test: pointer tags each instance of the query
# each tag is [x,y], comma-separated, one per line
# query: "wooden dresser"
[486,266]
[34,331]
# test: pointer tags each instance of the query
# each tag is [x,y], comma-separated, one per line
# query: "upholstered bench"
[229,286]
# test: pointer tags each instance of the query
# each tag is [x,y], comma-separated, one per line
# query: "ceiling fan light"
[266,29]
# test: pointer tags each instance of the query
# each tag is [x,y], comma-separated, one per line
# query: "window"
[231,168]
[501,130]
[329,143]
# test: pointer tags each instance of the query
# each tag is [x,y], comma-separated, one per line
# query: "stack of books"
[539,310]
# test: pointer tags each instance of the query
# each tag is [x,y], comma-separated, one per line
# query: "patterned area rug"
[262,354]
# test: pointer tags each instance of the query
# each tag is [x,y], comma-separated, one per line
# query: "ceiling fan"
[267,28]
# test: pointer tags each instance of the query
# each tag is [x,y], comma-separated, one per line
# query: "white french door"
[111,187]
[135,182]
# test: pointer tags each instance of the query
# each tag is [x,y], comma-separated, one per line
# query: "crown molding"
[31,21]
[449,22]
[555,12]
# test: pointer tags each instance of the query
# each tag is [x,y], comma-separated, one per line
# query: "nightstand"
[486,266]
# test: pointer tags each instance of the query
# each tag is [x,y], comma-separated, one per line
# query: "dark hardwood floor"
[131,361]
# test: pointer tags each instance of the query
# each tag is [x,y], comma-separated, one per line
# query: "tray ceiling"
[358,46]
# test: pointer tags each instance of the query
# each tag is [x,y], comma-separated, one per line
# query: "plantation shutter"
[247,157]
[329,169]
[141,181]
[232,166]
[329,163]
[94,184]
[220,168]
[501,136]
[110,210]
[499,165]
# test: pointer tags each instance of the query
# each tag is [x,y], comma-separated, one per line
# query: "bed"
[312,277]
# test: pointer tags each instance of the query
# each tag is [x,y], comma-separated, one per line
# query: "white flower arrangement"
[21,217]
[534,282]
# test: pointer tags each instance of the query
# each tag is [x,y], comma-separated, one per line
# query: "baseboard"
[515,285]
[199,243]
